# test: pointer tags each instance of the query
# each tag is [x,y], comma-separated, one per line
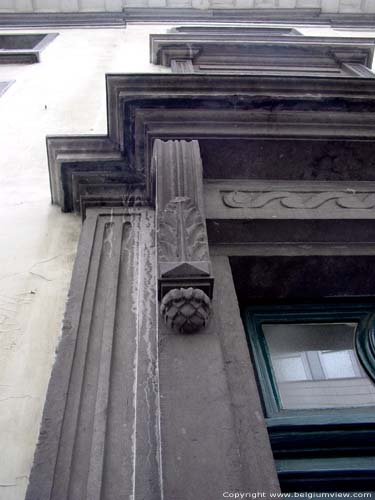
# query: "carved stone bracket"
[182,66]
[185,282]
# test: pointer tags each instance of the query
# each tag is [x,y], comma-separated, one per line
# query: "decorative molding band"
[295,200]
[62,19]
[272,15]
[167,15]
[183,256]
[104,383]
[289,200]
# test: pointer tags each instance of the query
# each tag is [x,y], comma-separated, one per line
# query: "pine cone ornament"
[186,310]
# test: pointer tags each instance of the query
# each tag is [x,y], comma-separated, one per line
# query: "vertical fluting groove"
[179,168]
[166,163]
[157,377]
[94,482]
[177,161]
[181,164]
[147,480]
[71,414]
[84,429]
[135,367]
[117,465]
[186,169]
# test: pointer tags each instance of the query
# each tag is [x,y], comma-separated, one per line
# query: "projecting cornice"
[338,13]
[352,16]
[142,108]
[210,51]
[47,19]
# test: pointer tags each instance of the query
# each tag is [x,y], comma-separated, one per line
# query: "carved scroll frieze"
[289,199]
[307,200]
[185,282]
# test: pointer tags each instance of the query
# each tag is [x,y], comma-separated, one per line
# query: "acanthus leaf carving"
[182,233]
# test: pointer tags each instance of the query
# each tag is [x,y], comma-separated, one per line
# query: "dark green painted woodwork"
[365,344]
[318,449]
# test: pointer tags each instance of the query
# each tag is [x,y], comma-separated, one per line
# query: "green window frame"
[317,449]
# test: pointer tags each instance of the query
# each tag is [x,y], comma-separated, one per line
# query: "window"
[23,48]
[314,370]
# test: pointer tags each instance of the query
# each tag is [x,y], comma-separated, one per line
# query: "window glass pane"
[315,366]
[339,364]
[290,368]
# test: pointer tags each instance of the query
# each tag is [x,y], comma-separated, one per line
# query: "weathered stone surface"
[101,408]
[258,199]
[211,417]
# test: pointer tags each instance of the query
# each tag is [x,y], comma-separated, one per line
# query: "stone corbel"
[179,59]
[185,282]
[182,66]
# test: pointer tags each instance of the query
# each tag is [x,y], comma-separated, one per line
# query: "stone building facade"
[218,334]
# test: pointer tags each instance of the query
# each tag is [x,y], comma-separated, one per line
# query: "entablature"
[232,117]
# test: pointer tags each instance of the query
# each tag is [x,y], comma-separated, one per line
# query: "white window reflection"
[315,366]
